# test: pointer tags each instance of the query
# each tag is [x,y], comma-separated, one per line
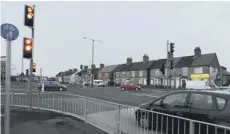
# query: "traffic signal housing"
[172,64]
[27,72]
[172,48]
[29,16]
[27,48]
[81,66]
[34,67]
[162,69]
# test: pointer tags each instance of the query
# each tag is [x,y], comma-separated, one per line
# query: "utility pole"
[40,74]
[93,40]
[167,65]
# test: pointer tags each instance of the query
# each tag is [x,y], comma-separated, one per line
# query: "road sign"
[9,31]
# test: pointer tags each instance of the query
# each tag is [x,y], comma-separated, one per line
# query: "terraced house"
[186,66]
[106,73]
[138,72]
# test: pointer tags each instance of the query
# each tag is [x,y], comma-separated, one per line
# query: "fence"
[114,118]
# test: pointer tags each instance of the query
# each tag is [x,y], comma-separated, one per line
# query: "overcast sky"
[127,29]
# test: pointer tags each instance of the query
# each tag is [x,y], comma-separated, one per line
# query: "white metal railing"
[112,117]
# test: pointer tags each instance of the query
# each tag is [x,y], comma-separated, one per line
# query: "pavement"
[43,122]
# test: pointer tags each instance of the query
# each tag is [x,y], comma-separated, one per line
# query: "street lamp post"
[93,40]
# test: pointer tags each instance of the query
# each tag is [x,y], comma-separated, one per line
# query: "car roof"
[215,91]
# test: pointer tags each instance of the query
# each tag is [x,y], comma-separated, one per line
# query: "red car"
[129,86]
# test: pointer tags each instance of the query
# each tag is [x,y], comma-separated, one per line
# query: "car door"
[202,108]
[173,104]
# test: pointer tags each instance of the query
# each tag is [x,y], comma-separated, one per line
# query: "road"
[99,112]
[112,94]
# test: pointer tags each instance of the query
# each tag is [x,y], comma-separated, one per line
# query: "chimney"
[145,58]
[129,60]
[102,65]
[197,52]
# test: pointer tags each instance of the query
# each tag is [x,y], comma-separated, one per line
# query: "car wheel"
[122,89]
[137,89]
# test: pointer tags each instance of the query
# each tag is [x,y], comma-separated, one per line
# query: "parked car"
[129,86]
[98,83]
[212,106]
[51,86]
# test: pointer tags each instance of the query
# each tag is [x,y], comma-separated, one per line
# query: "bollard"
[43,87]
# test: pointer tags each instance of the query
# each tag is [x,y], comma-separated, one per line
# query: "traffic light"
[29,16]
[172,48]
[172,64]
[162,69]
[27,48]
[81,66]
[27,72]
[34,67]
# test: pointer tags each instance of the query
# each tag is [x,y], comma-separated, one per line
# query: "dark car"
[52,86]
[212,106]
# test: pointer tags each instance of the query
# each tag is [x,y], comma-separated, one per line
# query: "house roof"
[187,61]
[225,73]
[108,69]
[119,68]
[137,66]
[66,73]
[192,61]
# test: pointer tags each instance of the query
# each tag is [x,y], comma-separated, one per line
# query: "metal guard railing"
[111,117]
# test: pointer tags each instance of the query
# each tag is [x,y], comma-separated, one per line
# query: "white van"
[98,83]
[200,84]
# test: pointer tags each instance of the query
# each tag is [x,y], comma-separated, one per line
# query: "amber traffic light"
[27,48]
[29,16]
[34,67]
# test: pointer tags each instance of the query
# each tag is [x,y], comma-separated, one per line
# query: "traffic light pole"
[92,64]
[31,70]
[167,66]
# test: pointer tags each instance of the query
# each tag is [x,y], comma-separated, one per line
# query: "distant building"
[67,76]
[106,73]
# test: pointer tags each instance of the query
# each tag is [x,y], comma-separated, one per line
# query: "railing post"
[118,119]
[191,127]
[12,97]
[62,103]
[53,102]
[86,111]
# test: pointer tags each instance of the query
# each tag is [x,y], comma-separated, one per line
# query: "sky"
[127,29]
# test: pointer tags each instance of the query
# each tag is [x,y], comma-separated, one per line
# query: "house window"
[117,74]
[184,71]
[140,73]
[141,81]
[99,75]
[157,73]
[133,73]
[198,70]
[106,74]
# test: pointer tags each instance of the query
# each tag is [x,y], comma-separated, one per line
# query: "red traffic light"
[30,12]
[28,44]
[29,16]
[27,48]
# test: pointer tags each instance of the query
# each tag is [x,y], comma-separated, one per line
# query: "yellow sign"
[34,65]
[200,76]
